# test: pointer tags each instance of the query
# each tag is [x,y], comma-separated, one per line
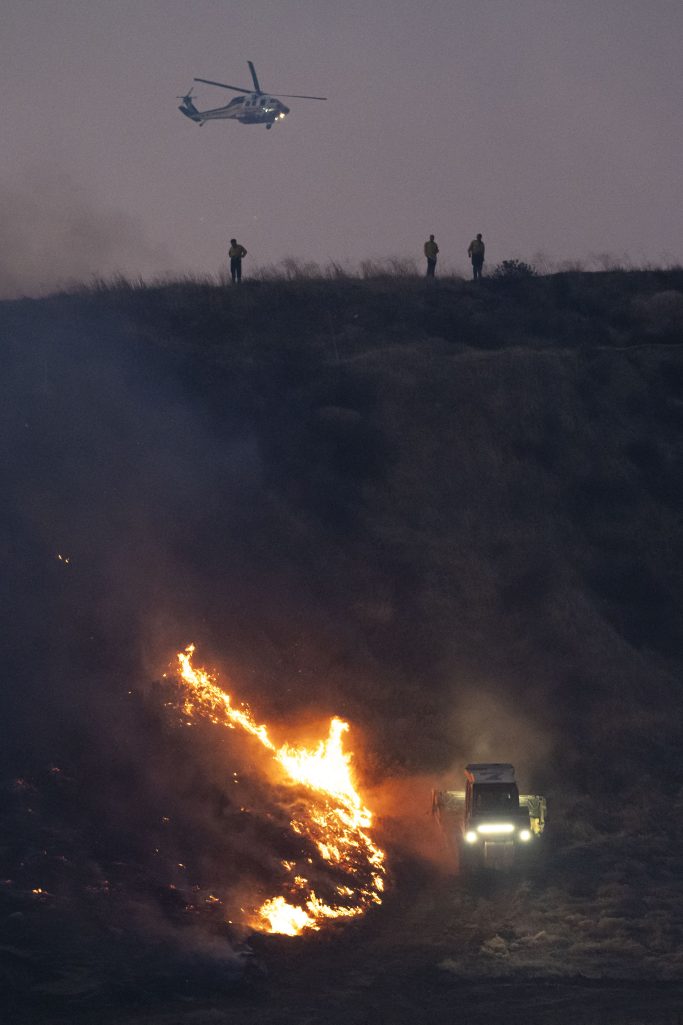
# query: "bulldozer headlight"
[524,835]
[495,827]
[471,836]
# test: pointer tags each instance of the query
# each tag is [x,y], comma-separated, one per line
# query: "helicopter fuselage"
[249,109]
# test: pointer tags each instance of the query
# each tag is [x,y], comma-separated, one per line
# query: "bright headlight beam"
[524,835]
[471,836]
[495,827]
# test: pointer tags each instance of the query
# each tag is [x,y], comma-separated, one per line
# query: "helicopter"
[253,107]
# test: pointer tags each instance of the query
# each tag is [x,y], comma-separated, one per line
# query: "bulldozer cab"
[493,798]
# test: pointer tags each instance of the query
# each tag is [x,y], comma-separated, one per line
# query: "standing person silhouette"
[236,252]
[431,251]
[476,253]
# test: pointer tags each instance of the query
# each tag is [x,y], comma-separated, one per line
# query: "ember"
[335,819]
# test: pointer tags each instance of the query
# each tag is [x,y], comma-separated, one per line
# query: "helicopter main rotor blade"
[297,96]
[222,85]
[255,80]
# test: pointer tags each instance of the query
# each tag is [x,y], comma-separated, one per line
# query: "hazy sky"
[549,126]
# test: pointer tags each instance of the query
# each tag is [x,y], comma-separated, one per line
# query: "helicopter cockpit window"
[236,102]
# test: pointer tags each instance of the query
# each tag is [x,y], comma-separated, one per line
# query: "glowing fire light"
[335,820]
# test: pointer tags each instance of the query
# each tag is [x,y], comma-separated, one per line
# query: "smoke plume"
[55,232]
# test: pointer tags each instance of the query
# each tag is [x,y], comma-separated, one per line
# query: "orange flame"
[336,821]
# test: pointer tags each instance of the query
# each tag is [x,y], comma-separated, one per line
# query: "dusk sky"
[551,127]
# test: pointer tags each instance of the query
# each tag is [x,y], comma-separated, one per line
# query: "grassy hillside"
[448,512]
[439,490]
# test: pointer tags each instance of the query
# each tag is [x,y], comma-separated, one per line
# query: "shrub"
[514,270]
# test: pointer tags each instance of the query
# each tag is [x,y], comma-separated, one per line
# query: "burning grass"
[332,816]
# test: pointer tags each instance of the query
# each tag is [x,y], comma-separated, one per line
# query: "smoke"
[55,232]
[113,469]
[488,726]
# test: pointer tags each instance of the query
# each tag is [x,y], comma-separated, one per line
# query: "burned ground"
[449,514]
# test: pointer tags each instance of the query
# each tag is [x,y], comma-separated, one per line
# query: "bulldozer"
[490,823]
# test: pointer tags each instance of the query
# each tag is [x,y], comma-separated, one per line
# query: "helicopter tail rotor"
[188,108]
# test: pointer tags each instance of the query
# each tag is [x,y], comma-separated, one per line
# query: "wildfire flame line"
[337,822]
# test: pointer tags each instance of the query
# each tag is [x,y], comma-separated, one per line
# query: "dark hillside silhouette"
[421,470]
[450,514]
